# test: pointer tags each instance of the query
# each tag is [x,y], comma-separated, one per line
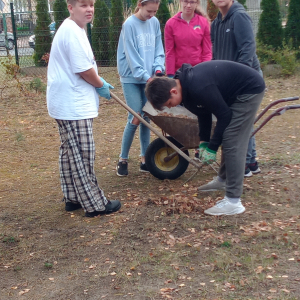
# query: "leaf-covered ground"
[160,245]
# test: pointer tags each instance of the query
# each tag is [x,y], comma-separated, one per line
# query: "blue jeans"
[136,99]
[251,151]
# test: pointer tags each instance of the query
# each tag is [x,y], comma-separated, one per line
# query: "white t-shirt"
[69,96]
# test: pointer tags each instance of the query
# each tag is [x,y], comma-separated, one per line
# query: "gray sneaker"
[214,185]
[224,207]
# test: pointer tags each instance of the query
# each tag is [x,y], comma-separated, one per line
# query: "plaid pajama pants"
[76,165]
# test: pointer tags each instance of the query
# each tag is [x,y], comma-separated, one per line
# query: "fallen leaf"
[24,292]
[259,269]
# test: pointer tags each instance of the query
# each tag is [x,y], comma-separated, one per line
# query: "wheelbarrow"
[167,157]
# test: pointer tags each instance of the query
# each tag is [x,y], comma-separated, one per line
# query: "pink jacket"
[186,42]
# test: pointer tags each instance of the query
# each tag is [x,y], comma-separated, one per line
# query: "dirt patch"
[161,245]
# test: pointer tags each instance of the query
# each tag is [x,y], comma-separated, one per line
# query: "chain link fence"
[18,42]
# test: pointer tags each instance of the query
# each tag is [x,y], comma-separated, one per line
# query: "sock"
[233,200]
[121,159]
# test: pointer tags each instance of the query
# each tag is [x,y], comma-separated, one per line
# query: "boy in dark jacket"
[233,39]
[233,93]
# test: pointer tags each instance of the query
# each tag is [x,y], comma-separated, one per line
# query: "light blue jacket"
[140,51]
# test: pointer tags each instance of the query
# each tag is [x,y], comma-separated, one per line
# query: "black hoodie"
[233,38]
[211,88]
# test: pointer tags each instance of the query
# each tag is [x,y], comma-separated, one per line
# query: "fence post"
[14,32]
[89,33]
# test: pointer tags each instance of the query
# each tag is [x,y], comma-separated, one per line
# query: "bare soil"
[160,245]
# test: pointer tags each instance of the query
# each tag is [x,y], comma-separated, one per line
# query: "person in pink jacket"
[187,37]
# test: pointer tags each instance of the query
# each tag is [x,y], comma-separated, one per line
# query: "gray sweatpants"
[235,142]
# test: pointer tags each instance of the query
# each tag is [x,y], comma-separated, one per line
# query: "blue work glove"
[104,90]
[202,147]
[208,156]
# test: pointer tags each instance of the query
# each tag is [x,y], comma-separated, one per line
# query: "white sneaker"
[224,207]
[214,185]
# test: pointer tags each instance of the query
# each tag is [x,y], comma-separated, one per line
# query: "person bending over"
[233,93]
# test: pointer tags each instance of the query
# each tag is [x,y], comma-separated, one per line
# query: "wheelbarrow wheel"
[155,155]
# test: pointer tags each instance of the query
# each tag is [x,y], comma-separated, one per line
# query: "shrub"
[100,30]
[285,57]
[37,85]
[117,19]
[60,11]
[243,2]
[163,15]
[212,10]
[269,27]
[292,30]
[43,37]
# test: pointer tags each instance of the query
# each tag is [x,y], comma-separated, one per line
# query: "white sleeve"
[80,54]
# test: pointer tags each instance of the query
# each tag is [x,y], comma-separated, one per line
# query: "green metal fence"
[19,27]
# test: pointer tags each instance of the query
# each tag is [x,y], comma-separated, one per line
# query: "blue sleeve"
[244,37]
[159,56]
[133,57]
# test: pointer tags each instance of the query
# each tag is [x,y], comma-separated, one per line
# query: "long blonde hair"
[144,2]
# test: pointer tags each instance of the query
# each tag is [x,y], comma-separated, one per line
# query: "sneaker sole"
[256,171]
[248,174]
[106,212]
[234,212]
[120,174]
[212,190]
[72,208]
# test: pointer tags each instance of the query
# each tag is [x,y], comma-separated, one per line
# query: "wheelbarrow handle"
[190,160]
[279,111]
[274,103]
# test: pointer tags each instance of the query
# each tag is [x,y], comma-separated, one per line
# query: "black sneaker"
[248,172]
[122,168]
[111,207]
[70,206]
[254,168]
[143,168]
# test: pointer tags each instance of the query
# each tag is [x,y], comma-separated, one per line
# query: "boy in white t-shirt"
[72,100]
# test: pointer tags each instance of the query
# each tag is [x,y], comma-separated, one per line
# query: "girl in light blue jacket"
[140,55]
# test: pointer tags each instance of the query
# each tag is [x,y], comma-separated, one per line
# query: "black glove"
[159,73]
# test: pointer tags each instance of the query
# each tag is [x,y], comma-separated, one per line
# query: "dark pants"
[235,143]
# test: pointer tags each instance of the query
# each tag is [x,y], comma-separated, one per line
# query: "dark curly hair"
[158,91]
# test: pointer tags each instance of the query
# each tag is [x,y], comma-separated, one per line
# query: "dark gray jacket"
[233,38]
